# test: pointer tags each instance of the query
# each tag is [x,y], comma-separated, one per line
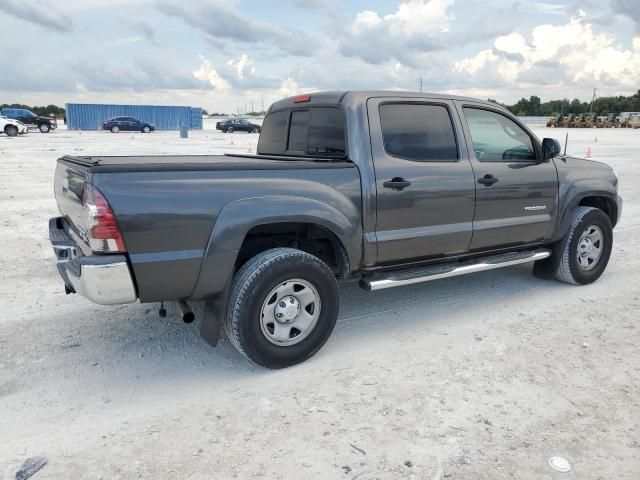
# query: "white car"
[12,127]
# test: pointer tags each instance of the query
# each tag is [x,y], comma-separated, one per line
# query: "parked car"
[231,125]
[31,120]
[423,187]
[11,127]
[127,124]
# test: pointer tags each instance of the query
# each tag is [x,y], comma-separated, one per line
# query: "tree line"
[42,111]
[601,105]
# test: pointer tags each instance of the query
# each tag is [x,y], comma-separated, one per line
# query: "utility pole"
[592,99]
[420,84]
[262,111]
[252,110]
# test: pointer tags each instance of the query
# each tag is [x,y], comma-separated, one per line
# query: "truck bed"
[167,206]
[145,163]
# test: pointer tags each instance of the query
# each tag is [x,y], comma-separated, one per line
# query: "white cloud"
[206,73]
[243,66]
[414,29]
[570,52]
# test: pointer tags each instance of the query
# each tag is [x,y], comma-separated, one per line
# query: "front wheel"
[11,130]
[146,130]
[44,128]
[582,255]
[282,308]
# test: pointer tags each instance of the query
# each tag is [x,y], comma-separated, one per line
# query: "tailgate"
[68,185]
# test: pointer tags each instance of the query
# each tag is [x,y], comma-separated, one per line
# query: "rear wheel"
[282,308]
[11,130]
[115,129]
[255,130]
[582,255]
[44,128]
[230,130]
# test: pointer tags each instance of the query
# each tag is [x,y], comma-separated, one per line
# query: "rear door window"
[418,132]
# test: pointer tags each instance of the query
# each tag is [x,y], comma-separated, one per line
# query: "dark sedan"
[231,125]
[127,124]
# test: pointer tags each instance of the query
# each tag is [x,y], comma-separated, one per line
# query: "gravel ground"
[484,376]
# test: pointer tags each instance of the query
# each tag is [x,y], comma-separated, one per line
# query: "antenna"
[592,99]
[566,141]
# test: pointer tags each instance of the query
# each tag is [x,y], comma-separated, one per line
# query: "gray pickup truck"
[388,188]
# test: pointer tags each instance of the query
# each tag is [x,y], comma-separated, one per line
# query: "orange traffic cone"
[588,155]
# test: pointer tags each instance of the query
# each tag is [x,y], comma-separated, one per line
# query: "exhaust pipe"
[185,311]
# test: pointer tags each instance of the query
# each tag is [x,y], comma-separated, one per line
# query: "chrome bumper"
[103,279]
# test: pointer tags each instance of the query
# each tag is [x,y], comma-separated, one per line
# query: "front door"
[424,181]
[516,192]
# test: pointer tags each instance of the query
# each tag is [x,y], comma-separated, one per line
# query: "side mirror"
[550,148]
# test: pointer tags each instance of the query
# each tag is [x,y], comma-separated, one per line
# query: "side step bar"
[426,274]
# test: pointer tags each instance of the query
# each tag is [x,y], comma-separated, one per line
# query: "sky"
[231,54]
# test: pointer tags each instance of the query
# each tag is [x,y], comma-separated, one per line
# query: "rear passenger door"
[516,191]
[424,181]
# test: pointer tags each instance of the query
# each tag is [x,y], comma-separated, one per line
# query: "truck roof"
[361,96]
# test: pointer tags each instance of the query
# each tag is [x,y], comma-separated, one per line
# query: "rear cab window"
[312,131]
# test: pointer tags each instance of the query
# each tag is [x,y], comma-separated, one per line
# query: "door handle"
[396,183]
[487,180]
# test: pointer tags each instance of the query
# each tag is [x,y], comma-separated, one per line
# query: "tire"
[230,130]
[115,129]
[575,259]
[11,130]
[44,128]
[262,285]
[146,129]
[255,130]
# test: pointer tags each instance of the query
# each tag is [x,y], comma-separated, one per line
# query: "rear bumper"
[103,279]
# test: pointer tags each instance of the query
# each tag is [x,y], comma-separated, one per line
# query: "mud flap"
[546,269]
[211,326]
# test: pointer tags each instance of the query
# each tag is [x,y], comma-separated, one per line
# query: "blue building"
[89,116]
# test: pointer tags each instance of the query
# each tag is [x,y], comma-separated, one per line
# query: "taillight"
[101,224]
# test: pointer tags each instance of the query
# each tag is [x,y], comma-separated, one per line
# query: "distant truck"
[387,188]
[31,120]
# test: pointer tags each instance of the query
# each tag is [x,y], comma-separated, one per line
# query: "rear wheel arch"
[312,238]
[245,217]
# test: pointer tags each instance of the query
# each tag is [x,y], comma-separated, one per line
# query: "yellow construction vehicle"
[573,120]
[591,121]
